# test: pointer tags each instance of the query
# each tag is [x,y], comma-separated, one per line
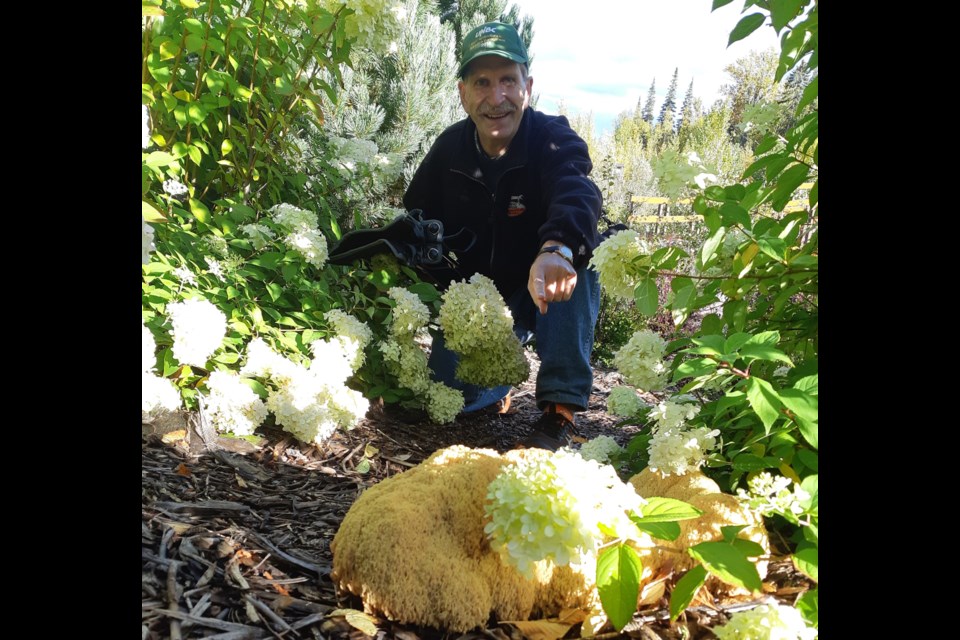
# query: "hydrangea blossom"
[670,415]
[264,362]
[618,262]
[405,360]
[148,349]
[216,245]
[641,361]
[260,235]
[624,401]
[311,244]
[352,334]
[214,268]
[549,505]
[146,240]
[677,451]
[600,449]
[174,187]
[185,276]
[443,403]
[478,326]
[410,314]
[233,407]
[766,622]
[768,495]
[198,330]
[289,218]
[145,126]
[158,396]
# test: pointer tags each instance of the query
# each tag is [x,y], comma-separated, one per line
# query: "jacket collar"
[466,161]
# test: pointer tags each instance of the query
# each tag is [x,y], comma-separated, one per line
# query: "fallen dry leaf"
[541,629]
[652,592]
[182,470]
[240,482]
[173,436]
[357,619]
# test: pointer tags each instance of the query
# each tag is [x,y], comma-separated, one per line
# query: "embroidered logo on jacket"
[515,207]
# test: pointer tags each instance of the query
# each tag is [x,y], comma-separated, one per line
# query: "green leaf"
[732,213]
[275,291]
[727,563]
[810,93]
[427,292]
[684,295]
[700,205]
[806,562]
[200,211]
[716,193]
[667,257]
[773,247]
[809,384]
[787,183]
[169,49]
[734,342]
[809,607]
[661,530]
[730,532]
[749,548]
[783,11]
[811,484]
[159,159]
[719,3]
[618,583]
[763,352]
[267,260]
[363,466]
[149,213]
[746,26]
[764,401]
[769,142]
[749,462]
[769,338]
[710,246]
[685,589]
[647,297]
[667,510]
[694,368]
[810,459]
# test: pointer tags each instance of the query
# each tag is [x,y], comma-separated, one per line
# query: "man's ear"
[462,89]
[529,96]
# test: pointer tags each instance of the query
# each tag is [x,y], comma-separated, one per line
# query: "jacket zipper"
[493,203]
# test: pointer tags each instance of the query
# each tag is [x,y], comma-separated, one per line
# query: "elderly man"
[515,181]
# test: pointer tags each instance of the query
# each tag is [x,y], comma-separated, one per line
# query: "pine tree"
[647,113]
[686,111]
[670,101]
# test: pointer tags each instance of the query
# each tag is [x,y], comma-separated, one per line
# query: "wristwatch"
[561,250]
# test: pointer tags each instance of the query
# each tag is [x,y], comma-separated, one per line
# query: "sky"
[601,55]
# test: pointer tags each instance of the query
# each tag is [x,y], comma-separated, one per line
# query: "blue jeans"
[564,337]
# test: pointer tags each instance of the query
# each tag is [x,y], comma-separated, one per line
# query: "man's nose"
[498,95]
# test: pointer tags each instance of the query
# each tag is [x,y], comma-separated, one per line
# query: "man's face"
[494,95]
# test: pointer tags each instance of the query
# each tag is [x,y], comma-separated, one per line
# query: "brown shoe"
[554,429]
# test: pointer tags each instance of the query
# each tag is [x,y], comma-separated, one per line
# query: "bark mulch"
[235,537]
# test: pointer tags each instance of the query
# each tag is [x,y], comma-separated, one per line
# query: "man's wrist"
[559,249]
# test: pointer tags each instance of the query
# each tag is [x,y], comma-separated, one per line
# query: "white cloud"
[601,55]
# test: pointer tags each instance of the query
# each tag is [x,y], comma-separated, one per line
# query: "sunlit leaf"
[745,27]
[727,563]
[618,583]
[685,590]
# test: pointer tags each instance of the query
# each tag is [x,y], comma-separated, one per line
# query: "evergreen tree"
[670,101]
[686,111]
[647,113]
[753,83]
[463,15]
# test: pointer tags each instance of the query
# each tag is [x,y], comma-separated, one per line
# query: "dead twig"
[172,599]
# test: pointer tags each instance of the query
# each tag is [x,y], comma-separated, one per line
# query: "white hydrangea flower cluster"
[677,451]
[146,240]
[145,126]
[374,23]
[641,361]
[185,276]
[302,234]
[409,315]
[352,334]
[549,505]
[214,268]
[674,448]
[443,403]
[260,235]
[619,264]
[600,449]
[353,153]
[478,326]
[308,402]
[672,415]
[404,359]
[768,495]
[198,330]
[174,187]
[232,406]
[216,245]
[766,622]
[158,395]
[624,401]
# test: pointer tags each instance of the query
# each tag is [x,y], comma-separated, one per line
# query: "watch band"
[559,249]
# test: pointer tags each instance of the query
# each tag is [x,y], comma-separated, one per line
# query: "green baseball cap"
[492,38]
